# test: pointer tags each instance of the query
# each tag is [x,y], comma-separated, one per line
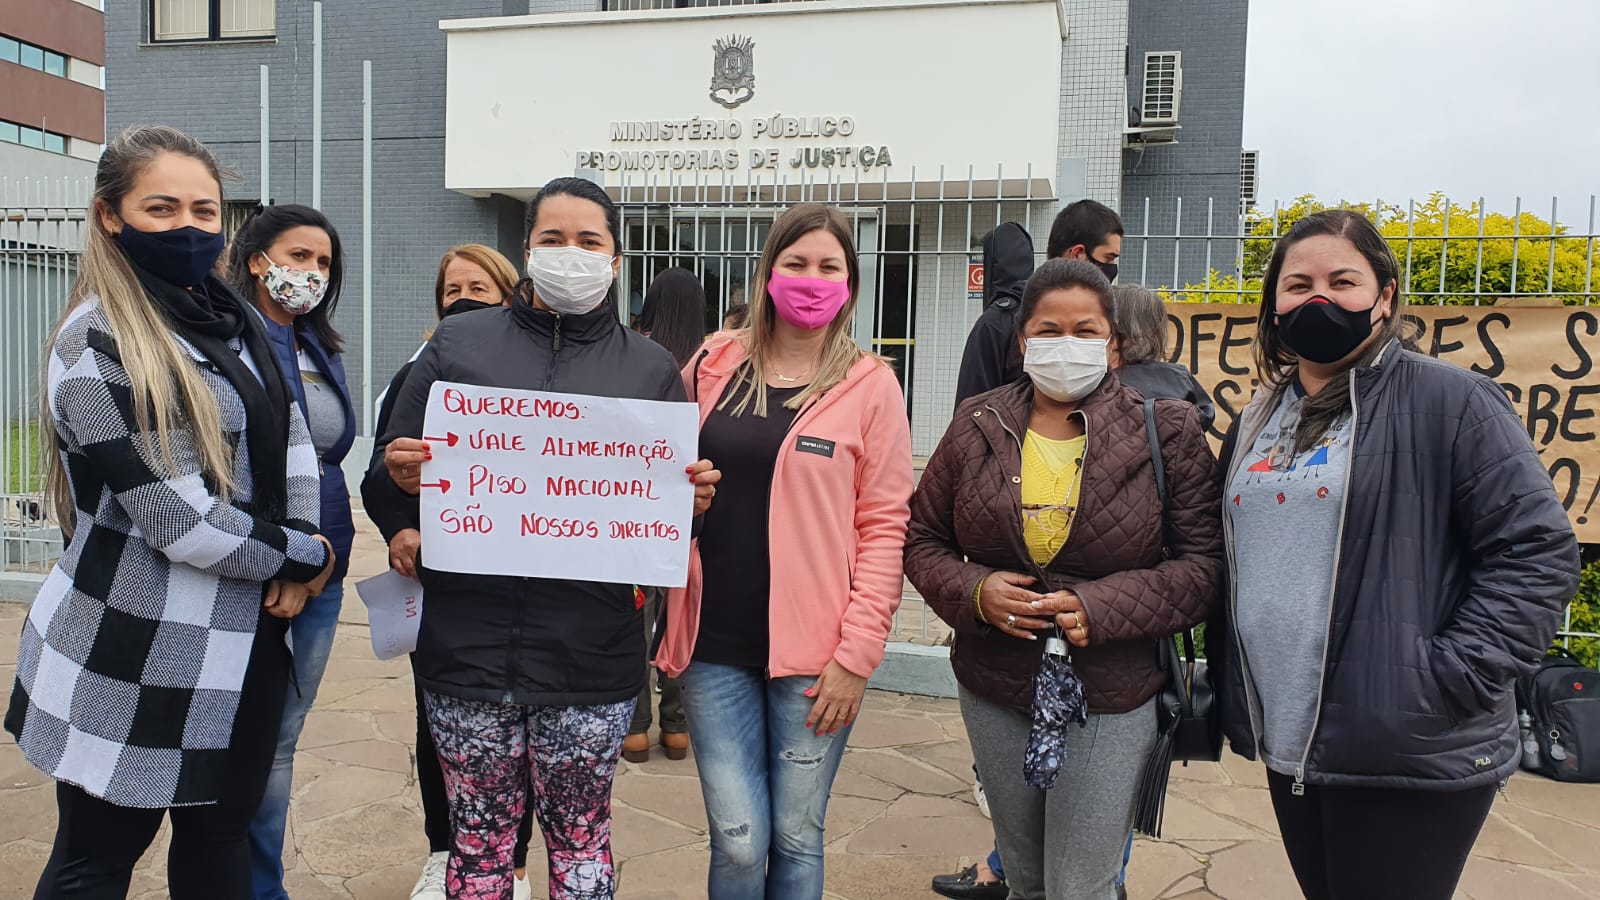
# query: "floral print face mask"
[297,291]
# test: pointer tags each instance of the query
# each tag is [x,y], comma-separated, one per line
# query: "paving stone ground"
[902,808]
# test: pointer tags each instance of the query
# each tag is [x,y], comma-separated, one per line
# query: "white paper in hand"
[394,611]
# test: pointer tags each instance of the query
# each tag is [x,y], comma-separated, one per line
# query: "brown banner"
[1546,359]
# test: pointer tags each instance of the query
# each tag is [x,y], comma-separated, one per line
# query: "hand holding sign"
[545,485]
[404,458]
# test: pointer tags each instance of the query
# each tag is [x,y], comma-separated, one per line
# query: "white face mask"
[570,280]
[1065,368]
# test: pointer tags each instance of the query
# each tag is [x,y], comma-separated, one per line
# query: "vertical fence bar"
[1550,276]
[316,105]
[1444,248]
[366,247]
[1477,275]
[1144,245]
[1211,206]
[1177,232]
[1588,266]
[1516,244]
[266,140]
[1411,234]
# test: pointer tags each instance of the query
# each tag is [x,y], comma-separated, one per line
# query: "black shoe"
[1122,892]
[964,885]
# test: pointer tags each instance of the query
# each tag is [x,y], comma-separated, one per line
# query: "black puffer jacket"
[1455,563]
[992,357]
[1168,381]
[529,641]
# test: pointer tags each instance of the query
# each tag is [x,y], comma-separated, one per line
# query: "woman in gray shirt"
[1398,559]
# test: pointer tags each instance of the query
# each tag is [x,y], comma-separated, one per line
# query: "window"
[38,138]
[212,20]
[25,54]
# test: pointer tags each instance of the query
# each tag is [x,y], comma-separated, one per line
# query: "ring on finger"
[1011,620]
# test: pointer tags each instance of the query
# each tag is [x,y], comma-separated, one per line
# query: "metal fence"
[41,239]
[1449,252]
[919,241]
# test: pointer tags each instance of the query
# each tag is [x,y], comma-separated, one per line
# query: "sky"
[1362,99]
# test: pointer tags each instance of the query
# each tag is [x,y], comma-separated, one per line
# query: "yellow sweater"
[1051,473]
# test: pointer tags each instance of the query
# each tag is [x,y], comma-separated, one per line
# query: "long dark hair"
[583,189]
[1276,364]
[674,313]
[259,232]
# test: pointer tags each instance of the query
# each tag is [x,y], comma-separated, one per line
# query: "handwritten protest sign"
[394,612]
[1546,359]
[557,485]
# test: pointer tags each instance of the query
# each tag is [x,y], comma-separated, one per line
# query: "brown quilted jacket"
[966,522]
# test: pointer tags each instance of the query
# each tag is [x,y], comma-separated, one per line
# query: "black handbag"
[1188,727]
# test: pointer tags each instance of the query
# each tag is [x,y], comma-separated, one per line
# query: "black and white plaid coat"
[134,651]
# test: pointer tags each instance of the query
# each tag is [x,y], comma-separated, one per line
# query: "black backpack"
[1562,699]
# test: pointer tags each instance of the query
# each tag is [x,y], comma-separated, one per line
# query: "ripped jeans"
[765,778]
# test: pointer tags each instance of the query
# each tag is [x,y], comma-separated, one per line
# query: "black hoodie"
[528,641]
[992,357]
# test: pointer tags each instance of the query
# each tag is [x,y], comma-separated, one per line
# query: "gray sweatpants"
[1065,843]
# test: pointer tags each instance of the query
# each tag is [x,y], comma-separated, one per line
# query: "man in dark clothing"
[992,358]
[1084,230]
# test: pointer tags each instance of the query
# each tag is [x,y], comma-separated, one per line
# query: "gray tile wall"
[1203,167]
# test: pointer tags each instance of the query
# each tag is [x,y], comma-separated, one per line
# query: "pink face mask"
[807,303]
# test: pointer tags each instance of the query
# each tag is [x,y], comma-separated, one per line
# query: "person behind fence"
[471,277]
[796,575]
[674,316]
[1398,559]
[1038,516]
[1139,354]
[530,683]
[154,664]
[288,262]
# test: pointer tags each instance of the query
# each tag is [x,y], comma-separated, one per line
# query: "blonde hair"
[839,352]
[167,390]
[490,260]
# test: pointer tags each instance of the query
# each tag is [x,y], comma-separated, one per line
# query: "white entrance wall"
[844,85]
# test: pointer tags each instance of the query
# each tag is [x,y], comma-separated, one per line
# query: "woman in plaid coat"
[153,665]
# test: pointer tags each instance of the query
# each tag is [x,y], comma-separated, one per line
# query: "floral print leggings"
[494,755]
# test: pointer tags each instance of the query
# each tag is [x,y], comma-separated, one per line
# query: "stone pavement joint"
[901,812]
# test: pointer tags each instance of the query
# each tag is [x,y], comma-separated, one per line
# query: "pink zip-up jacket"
[840,504]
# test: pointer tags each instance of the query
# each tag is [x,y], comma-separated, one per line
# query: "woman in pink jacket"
[796,575]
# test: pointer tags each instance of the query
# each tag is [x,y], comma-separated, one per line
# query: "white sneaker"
[523,890]
[431,885]
[981,798]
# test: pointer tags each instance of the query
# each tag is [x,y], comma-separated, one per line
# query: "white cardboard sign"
[394,612]
[552,485]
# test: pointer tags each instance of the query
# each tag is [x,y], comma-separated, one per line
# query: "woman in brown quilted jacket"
[1038,515]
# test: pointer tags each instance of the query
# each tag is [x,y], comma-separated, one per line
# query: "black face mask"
[464,305]
[1323,331]
[183,256]
[1110,269]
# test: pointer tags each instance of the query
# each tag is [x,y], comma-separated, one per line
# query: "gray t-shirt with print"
[1286,511]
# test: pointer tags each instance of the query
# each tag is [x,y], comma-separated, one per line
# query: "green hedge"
[1586,610]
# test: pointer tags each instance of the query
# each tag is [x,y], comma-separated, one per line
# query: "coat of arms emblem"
[733,76]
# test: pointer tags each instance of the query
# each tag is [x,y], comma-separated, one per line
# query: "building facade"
[926,121]
[52,96]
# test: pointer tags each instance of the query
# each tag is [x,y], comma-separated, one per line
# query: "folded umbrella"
[1057,703]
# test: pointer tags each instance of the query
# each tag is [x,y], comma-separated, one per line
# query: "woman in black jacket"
[1398,557]
[529,674]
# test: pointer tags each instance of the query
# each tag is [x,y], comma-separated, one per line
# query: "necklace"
[786,379]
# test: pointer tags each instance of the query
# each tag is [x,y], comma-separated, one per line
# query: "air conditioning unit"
[1249,176]
[1163,88]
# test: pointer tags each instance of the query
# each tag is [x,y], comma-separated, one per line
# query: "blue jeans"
[312,631]
[765,778]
